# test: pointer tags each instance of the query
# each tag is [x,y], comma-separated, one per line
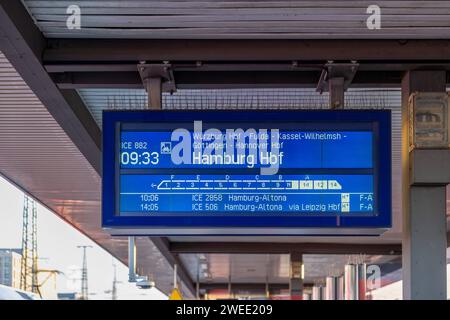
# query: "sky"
[57,249]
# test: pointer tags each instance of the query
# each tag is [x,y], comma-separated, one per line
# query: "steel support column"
[424,265]
[23,45]
[424,209]
[283,248]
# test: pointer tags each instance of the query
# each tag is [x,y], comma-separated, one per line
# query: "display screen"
[217,169]
[320,172]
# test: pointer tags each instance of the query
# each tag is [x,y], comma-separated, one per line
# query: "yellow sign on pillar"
[175,295]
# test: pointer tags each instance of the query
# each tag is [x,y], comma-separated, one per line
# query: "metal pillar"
[154,90]
[350,282]
[337,96]
[340,288]
[131,259]
[354,286]
[331,288]
[424,234]
[84,275]
[114,284]
[267,289]
[336,78]
[296,276]
[197,290]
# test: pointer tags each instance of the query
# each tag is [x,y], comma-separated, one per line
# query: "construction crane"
[84,275]
[29,265]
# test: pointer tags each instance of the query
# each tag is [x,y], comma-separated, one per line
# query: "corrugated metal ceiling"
[243,19]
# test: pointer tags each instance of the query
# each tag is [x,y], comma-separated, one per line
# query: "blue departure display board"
[228,173]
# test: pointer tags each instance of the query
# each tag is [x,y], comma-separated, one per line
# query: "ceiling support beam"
[220,79]
[173,259]
[23,45]
[248,66]
[284,248]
